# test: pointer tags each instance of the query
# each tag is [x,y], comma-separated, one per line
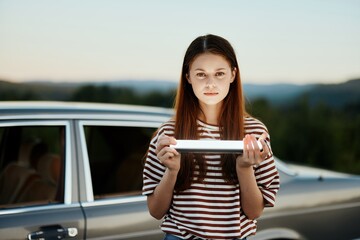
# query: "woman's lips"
[210,93]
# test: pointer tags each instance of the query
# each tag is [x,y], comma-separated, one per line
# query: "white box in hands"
[210,146]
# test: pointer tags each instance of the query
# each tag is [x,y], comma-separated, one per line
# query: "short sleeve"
[266,173]
[268,180]
[153,168]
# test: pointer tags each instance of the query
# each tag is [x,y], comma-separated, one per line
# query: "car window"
[116,159]
[31,165]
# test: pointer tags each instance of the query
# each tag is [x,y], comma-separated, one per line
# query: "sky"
[282,41]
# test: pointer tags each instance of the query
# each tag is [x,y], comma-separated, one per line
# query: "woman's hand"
[160,200]
[252,201]
[252,155]
[167,155]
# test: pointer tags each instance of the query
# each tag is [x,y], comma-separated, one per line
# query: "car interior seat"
[44,188]
[16,176]
[13,180]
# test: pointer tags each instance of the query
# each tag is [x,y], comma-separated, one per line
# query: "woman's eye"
[220,74]
[200,75]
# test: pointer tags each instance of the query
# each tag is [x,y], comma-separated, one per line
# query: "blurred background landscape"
[299,60]
[313,124]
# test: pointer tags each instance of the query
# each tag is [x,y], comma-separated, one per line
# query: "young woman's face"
[210,76]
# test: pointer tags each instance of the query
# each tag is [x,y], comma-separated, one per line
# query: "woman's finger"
[164,141]
[255,156]
[246,147]
[167,153]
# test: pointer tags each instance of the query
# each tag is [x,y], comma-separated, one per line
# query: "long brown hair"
[187,109]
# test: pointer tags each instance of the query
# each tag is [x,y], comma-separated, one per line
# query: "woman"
[210,196]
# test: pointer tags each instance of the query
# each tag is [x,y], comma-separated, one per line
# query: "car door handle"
[53,232]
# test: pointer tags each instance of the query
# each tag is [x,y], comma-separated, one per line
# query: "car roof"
[41,109]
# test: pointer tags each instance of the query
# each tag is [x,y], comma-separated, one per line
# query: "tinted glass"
[116,159]
[31,165]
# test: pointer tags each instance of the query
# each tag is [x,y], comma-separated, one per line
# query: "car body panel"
[126,218]
[312,203]
[19,224]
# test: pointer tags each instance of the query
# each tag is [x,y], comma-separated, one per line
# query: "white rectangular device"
[210,146]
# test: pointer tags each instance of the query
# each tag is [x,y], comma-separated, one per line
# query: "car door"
[38,199]
[113,153]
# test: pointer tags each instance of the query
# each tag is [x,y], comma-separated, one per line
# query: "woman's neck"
[210,114]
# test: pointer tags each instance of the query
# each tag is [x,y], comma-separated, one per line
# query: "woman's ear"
[188,78]
[233,74]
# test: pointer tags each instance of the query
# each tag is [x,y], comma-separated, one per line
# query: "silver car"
[74,171]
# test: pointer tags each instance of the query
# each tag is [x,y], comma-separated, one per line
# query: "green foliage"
[318,136]
[106,94]
[34,91]
[18,96]
[159,99]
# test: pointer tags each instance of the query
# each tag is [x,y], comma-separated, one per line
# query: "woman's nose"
[210,83]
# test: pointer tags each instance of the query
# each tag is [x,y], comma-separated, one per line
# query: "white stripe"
[221,187]
[268,161]
[213,168]
[169,132]
[157,177]
[212,209]
[194,196]
[200,227]
[212,157]
[213,175]
[212,180]
[148,181]
[224,228]
[248,231]
[267,174]
[210,204]
[218,219]
[156,163]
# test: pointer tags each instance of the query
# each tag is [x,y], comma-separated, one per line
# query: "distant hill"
[278,94]
[142,86]
[335,95]
[35,90]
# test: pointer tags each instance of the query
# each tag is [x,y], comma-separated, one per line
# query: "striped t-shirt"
[211,209]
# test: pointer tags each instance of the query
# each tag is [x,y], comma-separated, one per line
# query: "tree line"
[316,135]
